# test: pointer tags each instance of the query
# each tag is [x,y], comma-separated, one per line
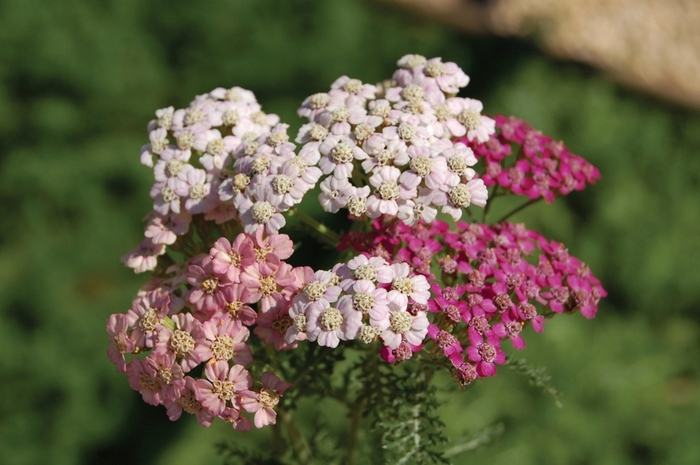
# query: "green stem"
[356,411]
[324,234]
[435,363]
[526,204]
[300,447]
[492,195]
[278,443]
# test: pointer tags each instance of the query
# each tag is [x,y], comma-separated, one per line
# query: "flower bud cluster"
[201,315]
[490,282]
[388,149]
[541,168]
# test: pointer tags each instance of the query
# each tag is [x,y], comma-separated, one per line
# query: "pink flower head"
[269,281]
[293,181]
[455,310]
[260,206]
[485,354]
[425,165]
[279,245]
[120,344]
[165,229]
[448,343]
[229,259]
[157,377]
[237,296]
[583,295]
[447,76]
[384,152]
[144,257]
[421,208]
[466,374]
[200,196]
[367,297]
[387,192]
[189,403]
[159,142]
[172,164]
[461,196]
[510,328]
[320,288]
[403,352]
[353,91]
[263,403]
[222,385]
[225,340]
[145,316]
[273,325]
[478,127]
[362,267]
[338,155]
[207,294]
[186,341]
[528,312]
[233,416]
[335,193]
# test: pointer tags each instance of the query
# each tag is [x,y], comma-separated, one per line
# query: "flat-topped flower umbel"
[399,159]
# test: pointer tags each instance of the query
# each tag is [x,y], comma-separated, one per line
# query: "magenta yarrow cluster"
[226,176]
[542,167]
[486,289]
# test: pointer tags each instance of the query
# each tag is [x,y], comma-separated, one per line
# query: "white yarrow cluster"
[389,151]
[365,299]
[226,159]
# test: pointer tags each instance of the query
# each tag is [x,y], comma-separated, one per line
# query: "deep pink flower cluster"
[201,315]
[491,280]
[522,160]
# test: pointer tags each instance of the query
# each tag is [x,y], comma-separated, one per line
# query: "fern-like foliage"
[480,438]
[403,408]
[537,377]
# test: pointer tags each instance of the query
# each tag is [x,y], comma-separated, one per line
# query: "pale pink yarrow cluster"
[202,315]
[389,150]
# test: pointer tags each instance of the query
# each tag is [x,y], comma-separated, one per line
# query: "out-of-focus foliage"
[79,80]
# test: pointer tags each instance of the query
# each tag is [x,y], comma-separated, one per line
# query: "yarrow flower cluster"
[222,158]
[202,334]
[389,150]
[201,313]
[540,168]
[489,281]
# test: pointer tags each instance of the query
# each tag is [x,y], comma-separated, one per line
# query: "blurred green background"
[79,80]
